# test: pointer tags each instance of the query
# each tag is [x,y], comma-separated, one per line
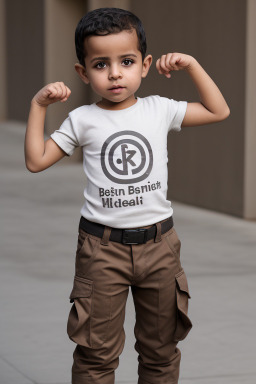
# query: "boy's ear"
[146,65]
[81,70]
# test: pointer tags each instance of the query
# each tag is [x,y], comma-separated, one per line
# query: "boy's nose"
[114,72]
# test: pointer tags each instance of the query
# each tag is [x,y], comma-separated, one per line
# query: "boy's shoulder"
[79,111]
[156,99]
[161,100]
[156,102]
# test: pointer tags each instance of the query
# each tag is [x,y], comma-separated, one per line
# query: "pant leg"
[96,318]
[161,311]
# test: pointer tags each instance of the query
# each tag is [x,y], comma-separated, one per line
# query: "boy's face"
[114,68]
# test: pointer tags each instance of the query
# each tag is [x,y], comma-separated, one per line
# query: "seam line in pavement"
[17,370]
[227,376]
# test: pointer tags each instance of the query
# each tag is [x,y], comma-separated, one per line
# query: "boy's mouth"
[116,88]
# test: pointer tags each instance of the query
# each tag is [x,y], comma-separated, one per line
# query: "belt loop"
[106,235]
[158,237]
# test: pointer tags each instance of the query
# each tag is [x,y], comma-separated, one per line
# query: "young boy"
[126,235]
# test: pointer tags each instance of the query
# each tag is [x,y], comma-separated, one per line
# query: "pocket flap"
[182,295]
[81,288]
[182,282]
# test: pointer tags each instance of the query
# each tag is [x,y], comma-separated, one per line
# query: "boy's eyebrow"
[107,58]
[128,54]
[99,58]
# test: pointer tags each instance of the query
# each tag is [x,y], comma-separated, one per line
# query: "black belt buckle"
[135,236]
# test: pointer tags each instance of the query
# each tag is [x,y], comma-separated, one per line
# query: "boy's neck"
[109,105]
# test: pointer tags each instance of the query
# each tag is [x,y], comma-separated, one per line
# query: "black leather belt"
[125,236]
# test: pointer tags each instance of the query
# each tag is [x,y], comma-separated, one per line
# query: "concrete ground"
[39,219]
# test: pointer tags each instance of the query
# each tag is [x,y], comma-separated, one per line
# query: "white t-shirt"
[124,159]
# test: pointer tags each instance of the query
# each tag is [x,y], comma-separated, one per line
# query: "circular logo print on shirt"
[126,157]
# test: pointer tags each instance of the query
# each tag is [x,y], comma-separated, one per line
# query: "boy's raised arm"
[40,154]
[212,106]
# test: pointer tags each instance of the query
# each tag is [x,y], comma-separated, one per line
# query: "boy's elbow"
[224,114]
[32,167]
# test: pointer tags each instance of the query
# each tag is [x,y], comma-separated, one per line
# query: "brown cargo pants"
[104,272]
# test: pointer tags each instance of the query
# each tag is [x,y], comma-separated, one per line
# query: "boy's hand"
[52,93]
[173,62]
[212,106]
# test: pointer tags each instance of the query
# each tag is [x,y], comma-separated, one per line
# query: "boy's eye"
[127,62]
[100,65]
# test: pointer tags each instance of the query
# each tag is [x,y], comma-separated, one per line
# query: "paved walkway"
[37,267]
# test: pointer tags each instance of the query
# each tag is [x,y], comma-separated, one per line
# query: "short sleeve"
[176,114]
[65,137]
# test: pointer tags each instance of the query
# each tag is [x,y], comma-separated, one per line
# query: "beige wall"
[40,49]
[250,121]
[206,164]
[3,106]
[24,54]
[94,4]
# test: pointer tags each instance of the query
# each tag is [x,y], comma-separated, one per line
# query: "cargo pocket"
[79,321]
[183,324]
